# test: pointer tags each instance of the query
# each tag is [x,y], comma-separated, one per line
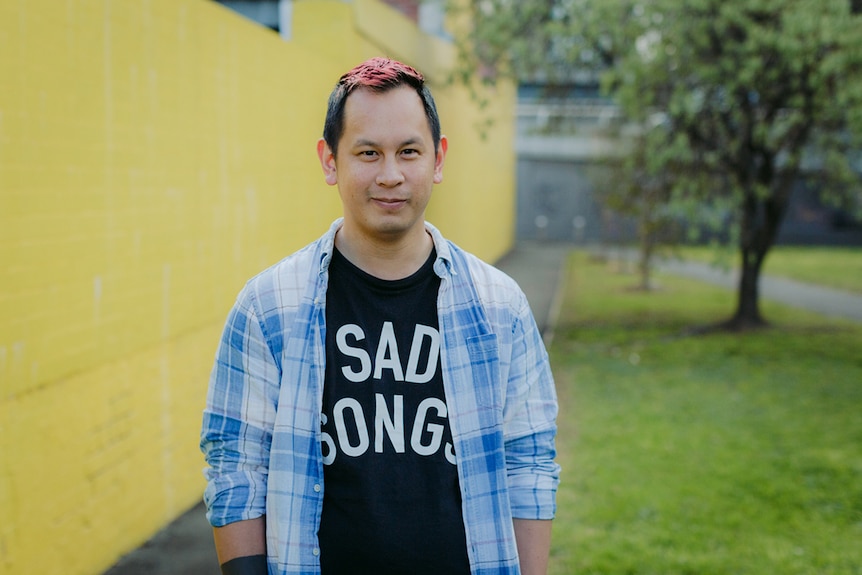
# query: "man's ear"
[442,148]
[327,162]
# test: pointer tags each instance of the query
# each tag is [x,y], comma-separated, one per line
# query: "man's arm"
[530,451]
[534,545]
[240,539]
[235,439]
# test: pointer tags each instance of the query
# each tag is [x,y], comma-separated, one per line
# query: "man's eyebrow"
[373,144]
[411,142]
[364,142]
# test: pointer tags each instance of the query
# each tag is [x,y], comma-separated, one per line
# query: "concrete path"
[826,301]
[185,547]
[538,268]
[823,300]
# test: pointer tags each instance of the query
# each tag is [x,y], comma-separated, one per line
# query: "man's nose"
[390,173]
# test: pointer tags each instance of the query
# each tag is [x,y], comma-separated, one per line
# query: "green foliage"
[747,86]
[734,100]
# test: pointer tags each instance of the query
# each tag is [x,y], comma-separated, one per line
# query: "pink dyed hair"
[379,75]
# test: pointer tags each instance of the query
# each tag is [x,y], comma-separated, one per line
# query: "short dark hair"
[379,75]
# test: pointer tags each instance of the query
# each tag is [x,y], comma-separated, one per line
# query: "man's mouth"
[391,202]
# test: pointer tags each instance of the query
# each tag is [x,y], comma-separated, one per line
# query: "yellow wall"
[154,155]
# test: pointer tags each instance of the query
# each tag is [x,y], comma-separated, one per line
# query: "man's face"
[386,164]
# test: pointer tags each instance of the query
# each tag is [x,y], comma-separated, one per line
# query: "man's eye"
[368,153]
[410,152]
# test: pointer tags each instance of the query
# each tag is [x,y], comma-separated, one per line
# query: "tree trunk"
[761,219]
[647,243]
[748,295]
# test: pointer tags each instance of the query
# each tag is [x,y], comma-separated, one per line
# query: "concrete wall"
[557,201]
[560,147]
[153,156]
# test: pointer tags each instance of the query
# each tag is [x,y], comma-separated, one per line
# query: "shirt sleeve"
[530,426]
[238,418]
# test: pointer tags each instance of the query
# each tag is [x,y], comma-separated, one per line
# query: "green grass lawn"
[707,454]
[840,268]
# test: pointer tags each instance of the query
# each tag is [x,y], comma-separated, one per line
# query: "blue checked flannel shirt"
[261,431]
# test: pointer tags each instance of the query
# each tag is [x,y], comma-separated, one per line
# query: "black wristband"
[250,565]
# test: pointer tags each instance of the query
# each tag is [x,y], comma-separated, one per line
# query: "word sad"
[387,355]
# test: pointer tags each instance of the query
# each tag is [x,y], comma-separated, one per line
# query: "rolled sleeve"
[238,419]
[533,476]
[530,426]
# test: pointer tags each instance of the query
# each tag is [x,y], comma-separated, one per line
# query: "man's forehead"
[371,116]
[363,96]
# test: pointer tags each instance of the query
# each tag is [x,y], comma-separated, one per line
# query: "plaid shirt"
[261,427]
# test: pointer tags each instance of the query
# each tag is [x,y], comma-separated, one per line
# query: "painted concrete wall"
[153,156]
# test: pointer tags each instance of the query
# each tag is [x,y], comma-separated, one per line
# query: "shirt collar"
[442,265]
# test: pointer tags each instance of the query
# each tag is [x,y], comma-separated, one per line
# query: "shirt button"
[315,551]
[317,487]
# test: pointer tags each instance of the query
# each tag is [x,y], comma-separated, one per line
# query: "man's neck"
[387,258]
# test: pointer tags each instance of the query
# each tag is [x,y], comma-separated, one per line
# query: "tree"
[748,96]
[633,188]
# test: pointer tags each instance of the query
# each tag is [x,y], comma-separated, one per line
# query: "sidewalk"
[185,547]
[823,300]
[819,299]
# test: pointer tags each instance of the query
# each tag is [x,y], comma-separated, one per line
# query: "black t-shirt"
[391,499]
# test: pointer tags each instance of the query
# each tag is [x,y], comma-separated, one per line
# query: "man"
[381,400]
